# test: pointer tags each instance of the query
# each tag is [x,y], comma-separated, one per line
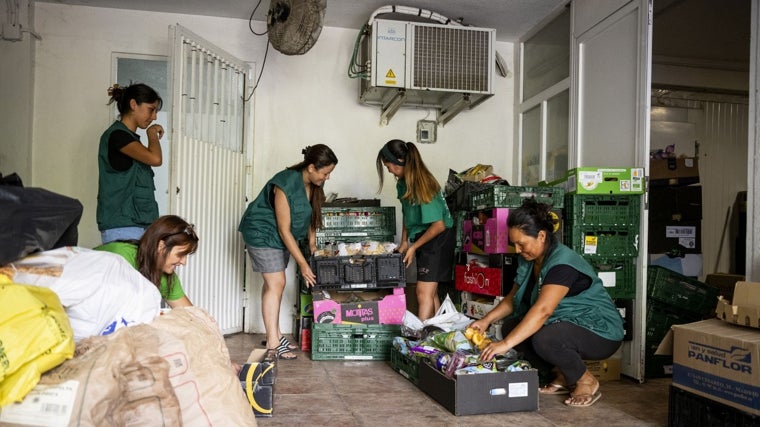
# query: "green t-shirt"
[417,218]
[129,252]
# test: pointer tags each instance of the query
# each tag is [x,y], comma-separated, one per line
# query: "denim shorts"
[121,233]
[268,260]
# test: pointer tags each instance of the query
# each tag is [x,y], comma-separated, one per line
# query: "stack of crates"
[672,299]
[341,278]
[486,262]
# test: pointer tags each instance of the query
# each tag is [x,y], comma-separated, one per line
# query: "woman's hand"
[308,276]
[409,255]
[480,325]
[155,131]
[491,350]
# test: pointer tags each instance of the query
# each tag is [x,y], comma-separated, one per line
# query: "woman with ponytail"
[288,209]
[427,234]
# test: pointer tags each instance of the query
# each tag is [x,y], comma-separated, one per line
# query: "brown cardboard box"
[673,171]
[604,370]
[745,309]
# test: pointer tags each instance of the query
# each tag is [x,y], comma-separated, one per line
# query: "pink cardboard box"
[486,232]
[368,307]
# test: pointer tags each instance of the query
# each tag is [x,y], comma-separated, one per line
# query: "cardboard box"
[601,180]
[685,236]
[479,307]
[485,232]
[675,203]
[604,370]
[673,171]
[370,307]
[495,280]
[481,393]
[745,309]
[719,361]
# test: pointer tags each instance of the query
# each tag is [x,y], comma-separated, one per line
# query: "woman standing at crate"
[558,312]
[427,232]
[288,209]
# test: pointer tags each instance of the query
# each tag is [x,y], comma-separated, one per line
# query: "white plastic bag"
[448,317]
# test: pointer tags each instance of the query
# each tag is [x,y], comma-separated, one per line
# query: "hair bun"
[305,150]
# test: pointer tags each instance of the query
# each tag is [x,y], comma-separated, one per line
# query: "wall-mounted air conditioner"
[448,67]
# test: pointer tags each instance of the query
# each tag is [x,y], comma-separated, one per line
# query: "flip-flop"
[554,388]
[284,353]
[283,341]
[594,397]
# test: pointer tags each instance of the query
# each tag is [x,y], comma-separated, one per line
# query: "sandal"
[283,352]
[554,388]
[284,341]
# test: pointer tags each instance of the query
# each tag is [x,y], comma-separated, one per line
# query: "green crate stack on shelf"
[508,196]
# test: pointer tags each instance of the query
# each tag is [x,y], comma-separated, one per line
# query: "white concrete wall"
[301,100]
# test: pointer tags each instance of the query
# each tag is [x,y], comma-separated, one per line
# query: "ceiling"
[510,18]
[706,33]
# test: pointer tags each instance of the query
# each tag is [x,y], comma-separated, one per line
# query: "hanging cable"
[266,52]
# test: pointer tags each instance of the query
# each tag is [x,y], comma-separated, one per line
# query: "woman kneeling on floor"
[558,313]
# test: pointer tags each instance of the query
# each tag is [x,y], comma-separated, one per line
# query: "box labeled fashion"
[601,180]
[485,232]
[719,361]
[369,307]
[483,393]
[493,276]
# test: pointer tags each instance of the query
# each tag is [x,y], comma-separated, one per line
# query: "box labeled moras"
[385,306]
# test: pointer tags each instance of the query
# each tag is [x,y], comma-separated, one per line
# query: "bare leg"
[586,391]
[427,299]
[271,299]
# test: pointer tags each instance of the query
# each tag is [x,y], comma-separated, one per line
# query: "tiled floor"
[359,393]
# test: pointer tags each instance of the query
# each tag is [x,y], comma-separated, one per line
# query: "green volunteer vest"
[592,309]
[125,198]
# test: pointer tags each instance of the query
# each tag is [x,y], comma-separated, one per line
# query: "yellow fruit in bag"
[35,336]
[477,337]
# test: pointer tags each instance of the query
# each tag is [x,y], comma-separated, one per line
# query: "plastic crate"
[680,291]
[602,210]
[609,242]
[324,239]
[359,272]
[461,198]
[687,409]
[352,342]
[507,196]
[617,274]
[407,366]
[660,318]
[379,217]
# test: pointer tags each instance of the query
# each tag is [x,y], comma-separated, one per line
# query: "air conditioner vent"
[451,58]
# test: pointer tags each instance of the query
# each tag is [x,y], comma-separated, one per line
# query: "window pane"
[531,146]
[546,56]
[558,118]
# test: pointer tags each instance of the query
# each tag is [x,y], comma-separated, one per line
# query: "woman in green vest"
[557,310]
[126,199]
[287,210]
[427,233]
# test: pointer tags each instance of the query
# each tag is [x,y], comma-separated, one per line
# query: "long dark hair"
[532,217]
[421,185]
[173,231]
[140,92]
[320,156]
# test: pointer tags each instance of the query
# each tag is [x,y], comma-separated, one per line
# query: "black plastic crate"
[687,409]
[681,291]
[359,272]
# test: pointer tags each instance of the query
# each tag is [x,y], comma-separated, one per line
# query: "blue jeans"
[122,233]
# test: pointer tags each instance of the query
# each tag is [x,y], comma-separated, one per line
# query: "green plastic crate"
[607,242]
[352,341]
[373,217]
[620,270]
[407,366]
[602,210]
[681,291]
[508,196]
